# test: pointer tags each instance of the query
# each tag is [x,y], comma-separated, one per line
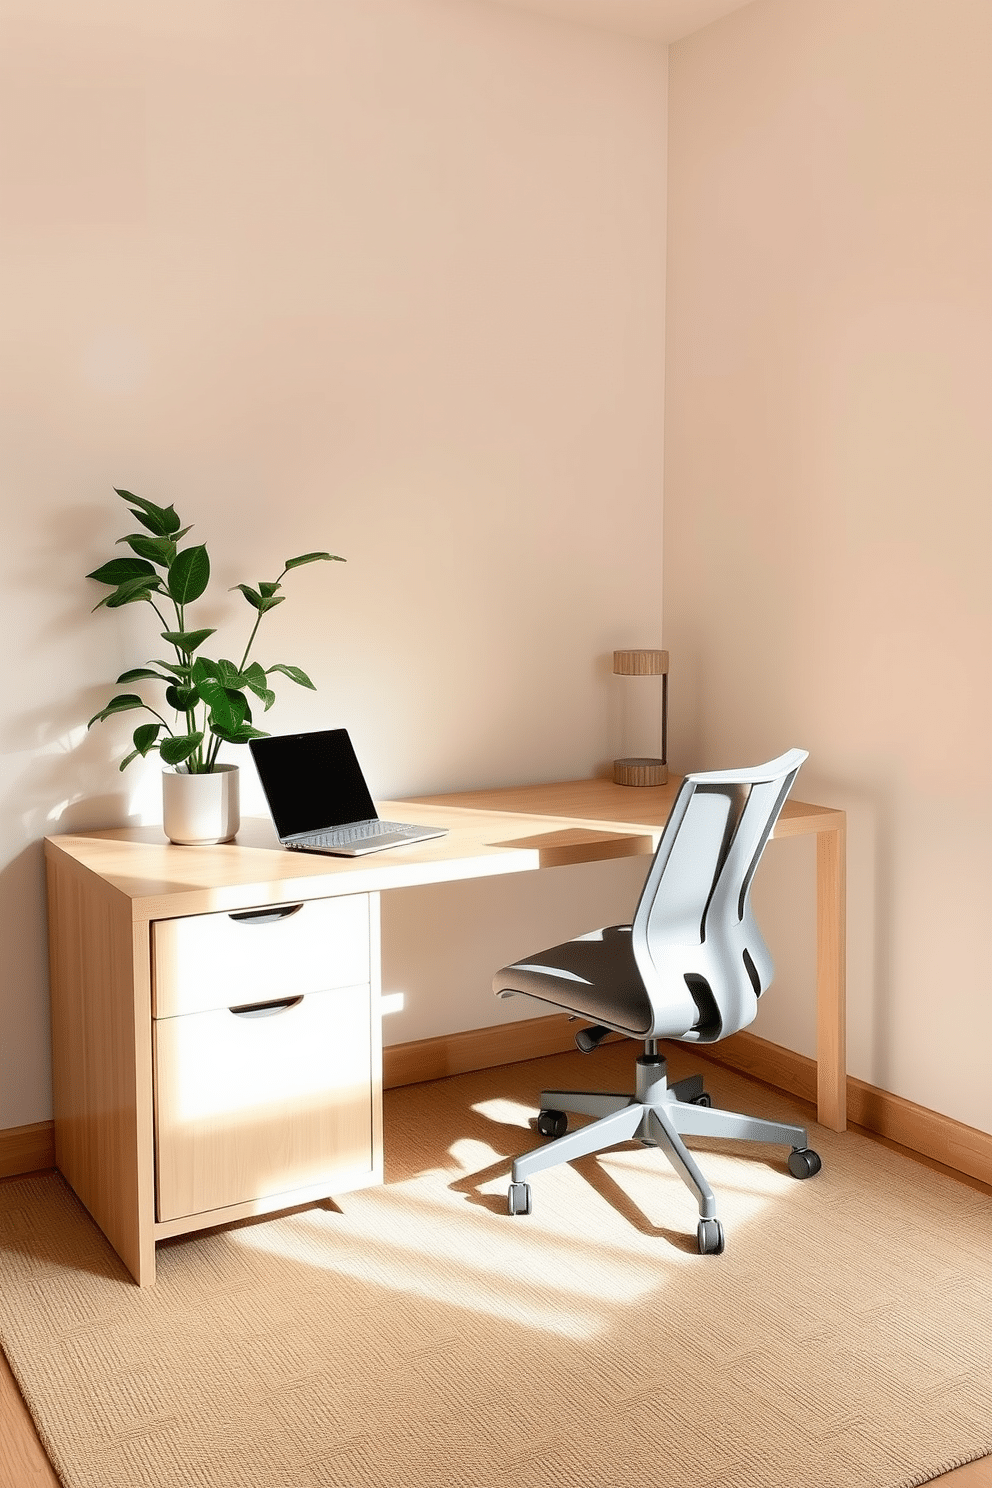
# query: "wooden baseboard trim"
[31,1149]
[963,1148]
[27,1149]
[475,1049]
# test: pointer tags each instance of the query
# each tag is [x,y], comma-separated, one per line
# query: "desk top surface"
[600,801]
[490,832]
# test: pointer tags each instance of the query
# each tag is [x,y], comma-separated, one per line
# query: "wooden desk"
[113,895]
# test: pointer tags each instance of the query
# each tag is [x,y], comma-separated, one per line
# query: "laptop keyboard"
[367,831]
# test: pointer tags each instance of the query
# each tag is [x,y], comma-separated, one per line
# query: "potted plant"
[209,699]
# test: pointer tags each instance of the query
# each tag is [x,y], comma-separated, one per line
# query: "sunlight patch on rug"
[445,1236]
[506,1112]
[424,1239]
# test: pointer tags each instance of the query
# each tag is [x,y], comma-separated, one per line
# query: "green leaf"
[313,558]
[203,669]
[254,678]
[181,698]
[119,569]
[162,520]
[160,550]
[137,673]
[144,738]
[238,735]
[186,641]
[141,501]
[172,520]
[216,698]
[261,602]
[179,748]
[145,735]
[228,708]
[153,524]
[227,674]
[238,704]
[267,590]
[119,704]
[294,674]
[131,591]
[189,574]
[175,668]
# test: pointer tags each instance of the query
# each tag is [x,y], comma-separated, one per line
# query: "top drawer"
[226,960]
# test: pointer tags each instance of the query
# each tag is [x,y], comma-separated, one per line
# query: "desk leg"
[831,986]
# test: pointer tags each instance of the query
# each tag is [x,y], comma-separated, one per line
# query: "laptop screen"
[312,781]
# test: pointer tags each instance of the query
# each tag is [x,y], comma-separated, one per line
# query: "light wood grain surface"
[600,801]
[160,880]
[23,1463]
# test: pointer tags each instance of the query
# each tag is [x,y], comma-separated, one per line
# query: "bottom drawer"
[255,1103]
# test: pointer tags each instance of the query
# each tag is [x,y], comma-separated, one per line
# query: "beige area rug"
[417,1335]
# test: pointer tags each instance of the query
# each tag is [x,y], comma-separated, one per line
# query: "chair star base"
[659,1115]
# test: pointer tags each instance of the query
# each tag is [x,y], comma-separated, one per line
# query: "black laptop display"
[319,799]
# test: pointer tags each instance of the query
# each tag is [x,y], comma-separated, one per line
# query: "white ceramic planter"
[200,809]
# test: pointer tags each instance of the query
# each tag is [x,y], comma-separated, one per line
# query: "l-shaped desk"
[154,947]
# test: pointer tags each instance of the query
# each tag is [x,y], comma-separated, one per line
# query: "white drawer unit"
[267,1058]
[260,1101]
[256,955]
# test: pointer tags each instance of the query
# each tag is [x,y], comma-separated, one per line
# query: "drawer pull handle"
[265,1009]
[265,916]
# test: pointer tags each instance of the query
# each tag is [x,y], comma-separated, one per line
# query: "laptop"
[318,797]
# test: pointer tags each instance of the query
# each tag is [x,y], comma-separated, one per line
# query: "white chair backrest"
[699,951]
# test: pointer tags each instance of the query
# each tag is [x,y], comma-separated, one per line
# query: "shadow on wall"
[63,787]
[55,775]
[25,1077]
[56,788]
[57,771]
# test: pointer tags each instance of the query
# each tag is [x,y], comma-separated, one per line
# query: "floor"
[24,1464]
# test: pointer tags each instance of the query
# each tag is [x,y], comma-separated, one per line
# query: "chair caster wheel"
[804,1162]
[552,1123]
[519,1198]
[709,1237]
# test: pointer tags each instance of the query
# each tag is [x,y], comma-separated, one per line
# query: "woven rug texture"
[417,1335]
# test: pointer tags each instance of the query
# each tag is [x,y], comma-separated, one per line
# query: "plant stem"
[212,753]
[149,709]
[158,612]
[258,621]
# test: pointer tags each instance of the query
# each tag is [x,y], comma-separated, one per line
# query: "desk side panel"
[831,977]
[375,1033]
[101,1056]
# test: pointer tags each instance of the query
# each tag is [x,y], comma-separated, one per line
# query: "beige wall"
[383,277]
[827,509]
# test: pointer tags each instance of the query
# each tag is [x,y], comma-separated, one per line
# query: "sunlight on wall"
[440,353]
[139,804]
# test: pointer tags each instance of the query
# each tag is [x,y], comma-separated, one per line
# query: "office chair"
[691,967]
